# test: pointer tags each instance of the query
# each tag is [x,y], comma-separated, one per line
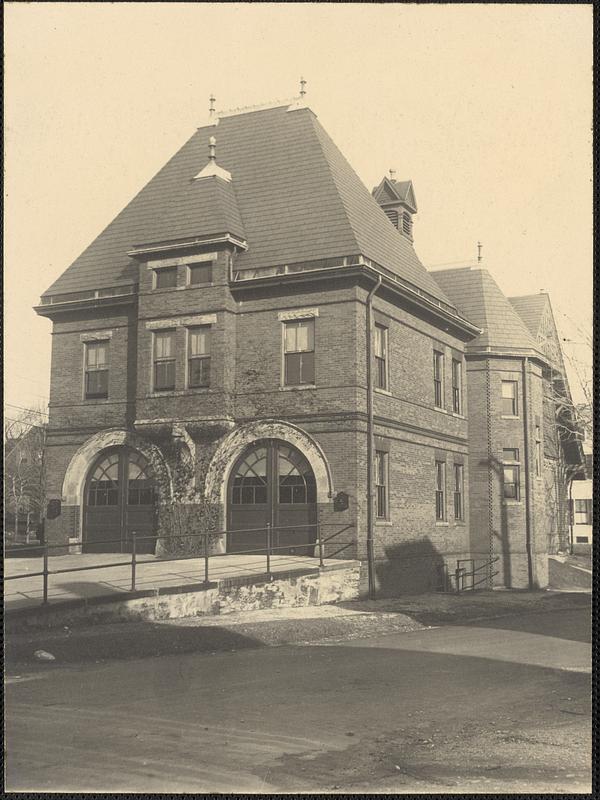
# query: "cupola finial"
[211,110]
[212,149]
[479,249]
[302,85]
[392,174]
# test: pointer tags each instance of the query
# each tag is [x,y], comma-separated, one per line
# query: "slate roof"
[531,309]
[478,297]
[293,197]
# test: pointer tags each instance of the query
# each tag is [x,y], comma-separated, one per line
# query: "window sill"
[382,391]
[441,524]
[441,410]
[383,523]
[458,416]
[196,285]
[178,392]
[164,289]
[512,502]
[509,416]
[95,399]
[300,386]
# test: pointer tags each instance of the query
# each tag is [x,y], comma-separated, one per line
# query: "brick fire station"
[254,341]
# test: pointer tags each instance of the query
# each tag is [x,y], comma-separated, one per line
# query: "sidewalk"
[274,627]
[114,580]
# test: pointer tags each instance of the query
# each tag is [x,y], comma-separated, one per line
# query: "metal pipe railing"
[269,550]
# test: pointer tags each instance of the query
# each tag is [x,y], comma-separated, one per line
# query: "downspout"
[370,442]
[571,515]
[528,523]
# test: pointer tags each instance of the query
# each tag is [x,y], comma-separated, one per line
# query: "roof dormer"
[397,199]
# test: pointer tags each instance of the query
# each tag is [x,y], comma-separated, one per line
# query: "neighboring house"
[582,508]
[251,334]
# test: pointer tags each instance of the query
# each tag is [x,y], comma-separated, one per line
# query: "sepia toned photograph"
[298,398]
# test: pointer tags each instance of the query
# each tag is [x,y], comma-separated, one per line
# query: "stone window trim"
[175,262]
[297,313]
[95,336]
[185,322]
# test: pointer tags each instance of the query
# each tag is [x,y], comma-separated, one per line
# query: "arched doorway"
[119,499]
[272,482]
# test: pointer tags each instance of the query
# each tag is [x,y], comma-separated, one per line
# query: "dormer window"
[165,278]
[407,224]
[200,273]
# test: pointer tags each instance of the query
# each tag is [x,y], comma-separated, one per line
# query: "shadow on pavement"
[120,641]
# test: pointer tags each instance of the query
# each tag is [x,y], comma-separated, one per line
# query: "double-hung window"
[381,484]
[165,277]
[299,352]
[456,386]
[164,360]
[96,370]
[440,491]
[582,512]
[438,378]
[459,503]
[511,471]
[199,357]
[381,360]
[510,406]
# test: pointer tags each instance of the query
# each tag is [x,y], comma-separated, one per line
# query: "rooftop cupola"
[397,199]
[212,169]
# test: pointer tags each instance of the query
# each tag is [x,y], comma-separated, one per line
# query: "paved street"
[493,706]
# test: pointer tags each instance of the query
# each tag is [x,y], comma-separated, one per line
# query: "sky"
[487,108]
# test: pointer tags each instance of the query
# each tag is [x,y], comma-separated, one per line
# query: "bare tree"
[24,463]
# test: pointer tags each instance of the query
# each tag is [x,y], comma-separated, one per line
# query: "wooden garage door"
[272,482]
[119,499]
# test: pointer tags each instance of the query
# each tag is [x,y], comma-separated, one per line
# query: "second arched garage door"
[272,482]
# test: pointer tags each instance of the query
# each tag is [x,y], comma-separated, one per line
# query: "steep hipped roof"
[479,298]
[293,197]
[531,309]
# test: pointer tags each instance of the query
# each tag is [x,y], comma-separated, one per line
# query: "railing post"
[206,558]
[133,559]
[457,578]
[269,549]
[320,541]
[45,576]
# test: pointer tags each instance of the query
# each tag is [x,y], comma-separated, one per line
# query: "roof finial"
[479,248]
[392,175]
[302,85]
[211,110]
[212,149]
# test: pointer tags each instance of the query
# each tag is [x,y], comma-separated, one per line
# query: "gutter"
[528,521]
[370,440]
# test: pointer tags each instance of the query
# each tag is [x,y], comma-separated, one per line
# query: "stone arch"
[230,448]
[74,480]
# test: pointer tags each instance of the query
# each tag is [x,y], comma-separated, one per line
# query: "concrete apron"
[303,586]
